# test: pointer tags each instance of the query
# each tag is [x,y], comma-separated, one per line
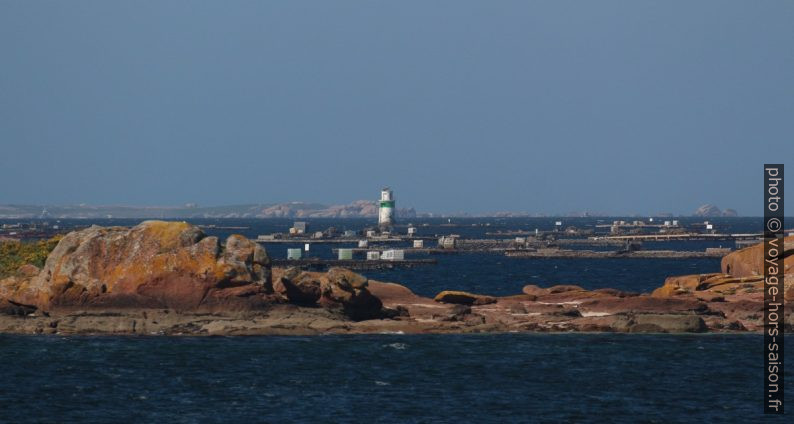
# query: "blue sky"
[540,106]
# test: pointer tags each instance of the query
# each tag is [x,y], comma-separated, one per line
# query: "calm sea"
[514,378]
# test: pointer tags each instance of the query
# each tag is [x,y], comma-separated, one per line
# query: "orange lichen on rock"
[168,234]
[154,264]
[682,284]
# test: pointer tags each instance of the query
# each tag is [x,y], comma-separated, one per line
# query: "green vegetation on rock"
[14,254]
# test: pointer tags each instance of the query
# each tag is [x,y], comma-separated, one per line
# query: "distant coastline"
[297,210]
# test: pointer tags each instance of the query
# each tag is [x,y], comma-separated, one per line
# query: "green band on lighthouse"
[387,203]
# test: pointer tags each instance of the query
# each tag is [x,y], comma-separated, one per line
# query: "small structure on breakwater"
[319,264]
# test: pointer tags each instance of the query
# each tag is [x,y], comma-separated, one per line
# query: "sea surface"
[392,378]
[506,378]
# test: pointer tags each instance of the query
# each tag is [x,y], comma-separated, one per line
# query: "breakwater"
[594,254]
[320,264]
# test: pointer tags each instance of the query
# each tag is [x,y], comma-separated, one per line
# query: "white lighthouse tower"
[386,211]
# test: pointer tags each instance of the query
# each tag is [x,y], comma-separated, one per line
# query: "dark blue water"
[499,275]
[493,273]
[384,378]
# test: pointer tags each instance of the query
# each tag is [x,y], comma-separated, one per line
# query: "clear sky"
[539,106]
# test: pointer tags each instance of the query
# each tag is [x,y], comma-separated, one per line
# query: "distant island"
[711,211]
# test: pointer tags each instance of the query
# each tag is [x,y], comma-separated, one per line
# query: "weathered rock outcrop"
[742,275]
[155,264]
[736,294]
[170,278]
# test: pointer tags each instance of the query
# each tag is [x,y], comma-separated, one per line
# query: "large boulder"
[155,264]
[300,288]
[338,289]
[749,261]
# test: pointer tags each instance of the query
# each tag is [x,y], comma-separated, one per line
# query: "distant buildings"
[299,227]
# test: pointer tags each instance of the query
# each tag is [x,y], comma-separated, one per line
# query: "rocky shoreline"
[167,278]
